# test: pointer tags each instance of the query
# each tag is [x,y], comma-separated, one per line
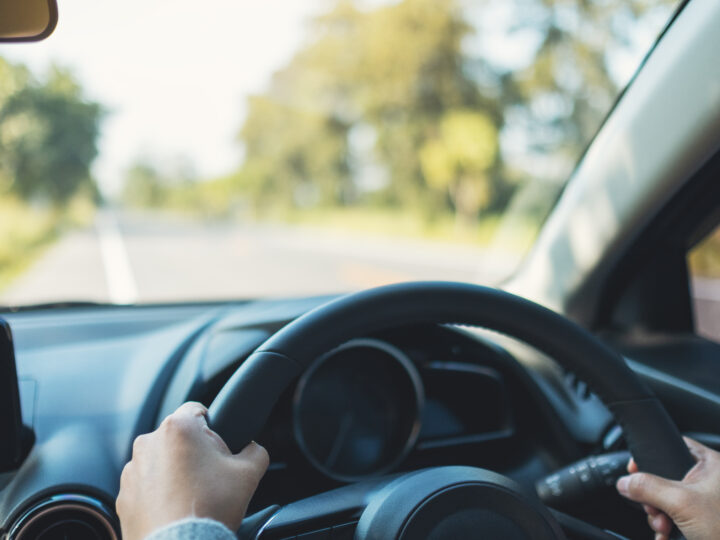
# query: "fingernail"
[622,484]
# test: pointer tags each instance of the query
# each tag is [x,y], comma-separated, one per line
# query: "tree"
[12,79]
[48,139]
[294,156]
[144,186]
[560,94]
[397,69]
[458,160]
[455,129]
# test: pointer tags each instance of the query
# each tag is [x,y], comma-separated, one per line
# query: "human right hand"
[693,504]
[184,469]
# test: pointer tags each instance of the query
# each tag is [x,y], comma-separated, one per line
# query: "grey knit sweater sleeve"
[193,529]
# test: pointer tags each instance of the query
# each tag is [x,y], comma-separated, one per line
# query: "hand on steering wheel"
[692,504]
[184,469]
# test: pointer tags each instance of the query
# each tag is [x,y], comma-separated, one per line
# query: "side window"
[704,268]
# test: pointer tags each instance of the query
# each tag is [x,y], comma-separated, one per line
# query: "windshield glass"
[186,151]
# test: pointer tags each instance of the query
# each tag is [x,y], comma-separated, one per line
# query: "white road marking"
[121,285]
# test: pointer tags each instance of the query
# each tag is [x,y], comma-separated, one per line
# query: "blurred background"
[179,151]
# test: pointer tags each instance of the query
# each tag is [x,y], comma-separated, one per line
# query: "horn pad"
[455,502]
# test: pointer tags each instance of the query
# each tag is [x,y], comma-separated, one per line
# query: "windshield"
[186,151]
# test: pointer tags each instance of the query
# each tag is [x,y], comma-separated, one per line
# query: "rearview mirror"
[27,20]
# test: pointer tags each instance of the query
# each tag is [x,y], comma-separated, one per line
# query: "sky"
[173,74]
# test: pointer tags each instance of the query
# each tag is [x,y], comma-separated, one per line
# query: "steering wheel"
[442,502]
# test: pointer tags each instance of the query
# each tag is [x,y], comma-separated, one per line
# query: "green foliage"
[24,231]
[148,187]
[459,158]
[48,136]
[437,111]
[397,69]
[27,230]
[565,91]
[443,115]
[295,156]
[144,186]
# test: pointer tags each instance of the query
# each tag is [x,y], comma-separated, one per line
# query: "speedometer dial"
[357,409]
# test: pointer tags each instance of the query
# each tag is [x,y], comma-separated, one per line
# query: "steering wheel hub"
[455,502]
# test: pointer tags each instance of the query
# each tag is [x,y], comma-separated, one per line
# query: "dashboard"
[92,379]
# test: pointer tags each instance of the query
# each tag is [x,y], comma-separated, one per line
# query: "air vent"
[63,517]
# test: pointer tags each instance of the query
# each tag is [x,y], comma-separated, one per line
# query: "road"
[133,257]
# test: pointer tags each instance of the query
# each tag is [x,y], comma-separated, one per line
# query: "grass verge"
[26,231]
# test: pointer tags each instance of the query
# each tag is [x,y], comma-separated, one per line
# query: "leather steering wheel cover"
[244,403]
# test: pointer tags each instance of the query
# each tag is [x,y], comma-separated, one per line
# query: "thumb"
[254,456]
[665,495]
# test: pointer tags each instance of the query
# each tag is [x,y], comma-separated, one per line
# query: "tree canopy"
[48,135]
[452,128]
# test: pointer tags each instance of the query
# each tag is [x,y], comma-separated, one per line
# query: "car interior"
[423,409]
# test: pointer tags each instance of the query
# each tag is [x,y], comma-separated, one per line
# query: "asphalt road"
[127,258]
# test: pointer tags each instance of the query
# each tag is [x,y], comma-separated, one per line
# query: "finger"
[218,440]
[125,474]
[139,442]
[661,524]
[698,451]
[659,536]
[255,454]
[190,415]
[650,510]
[665,495]
[187,422]
[192,409]
[632,466]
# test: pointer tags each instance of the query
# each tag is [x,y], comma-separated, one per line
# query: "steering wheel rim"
[243,405]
